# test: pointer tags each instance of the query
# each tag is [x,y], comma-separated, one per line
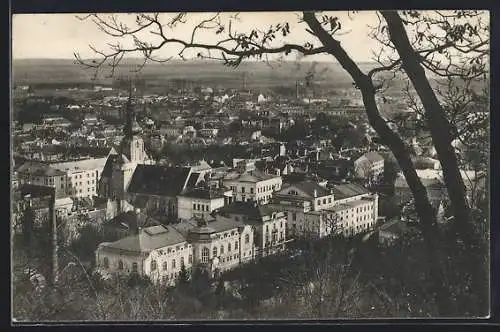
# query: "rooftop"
[347,190]
[148,239]
[39,169]
[251,176]
[86,164]
[159,180]
[204,193]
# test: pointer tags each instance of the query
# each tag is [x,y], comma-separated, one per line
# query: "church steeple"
[127,130]
[131,127]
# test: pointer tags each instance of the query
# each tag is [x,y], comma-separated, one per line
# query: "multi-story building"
[158,252]
[369,166]
[269,225]
[313,211]
[252,185]
[201,202]
[155,188]
[42,174]
[83,176]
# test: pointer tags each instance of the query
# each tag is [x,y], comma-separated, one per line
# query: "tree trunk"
[439,127]
[388,137]
[437,122]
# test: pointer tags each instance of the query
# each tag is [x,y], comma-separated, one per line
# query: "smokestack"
[55,249]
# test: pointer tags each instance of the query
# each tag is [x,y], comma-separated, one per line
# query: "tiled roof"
[148,239]
[35,190]
[308,187]
[251,176]
[348,190]
[132,221]
[248,209]
[87,164]
[159,180]
[204,193]
[38,169]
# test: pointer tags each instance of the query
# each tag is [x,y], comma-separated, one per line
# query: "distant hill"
[40,71]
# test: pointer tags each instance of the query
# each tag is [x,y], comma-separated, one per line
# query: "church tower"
[132,145]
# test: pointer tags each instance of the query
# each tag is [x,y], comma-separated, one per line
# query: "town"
[248,187]
[155,173]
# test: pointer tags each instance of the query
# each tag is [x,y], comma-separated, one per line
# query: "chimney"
[315,193]
[55,249]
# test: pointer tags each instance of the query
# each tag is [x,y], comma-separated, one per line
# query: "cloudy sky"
[60,35]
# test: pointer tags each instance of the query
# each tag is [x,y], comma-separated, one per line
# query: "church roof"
[159,180]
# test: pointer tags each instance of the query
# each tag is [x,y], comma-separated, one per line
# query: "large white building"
[314,211]
[238,234]
[369,166]
[252,185]
[200,202]
[83,176]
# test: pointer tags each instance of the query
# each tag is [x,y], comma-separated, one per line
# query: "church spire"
[129,113]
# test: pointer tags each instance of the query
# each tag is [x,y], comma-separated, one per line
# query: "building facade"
[83,176]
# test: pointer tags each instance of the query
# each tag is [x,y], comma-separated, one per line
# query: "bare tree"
[459,44]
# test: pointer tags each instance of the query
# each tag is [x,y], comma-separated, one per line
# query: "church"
[123,160]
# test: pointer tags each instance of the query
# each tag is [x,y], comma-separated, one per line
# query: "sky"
[60,35]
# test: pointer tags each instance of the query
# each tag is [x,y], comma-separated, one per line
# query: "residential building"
[42,174]
[158,252]
[268,222]
[83,176]
[314,211]
[252,185]
[201,202]
[369,166]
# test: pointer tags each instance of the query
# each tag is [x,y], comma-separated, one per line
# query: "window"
[247,238]
[165,266]
[251,190]
[134,267]
[319,202]
[120,265]
[221,250]
[205,253]
[194,206]
[106,262]
[214,252]
[182,261]
[324,200]
[173,263]
[294,216]
[329,200]
[190,259]
[243,189]
[153,265]
[228,247]
[235,245]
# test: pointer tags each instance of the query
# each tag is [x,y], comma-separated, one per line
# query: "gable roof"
[371,156]
[250,176]
[204,193]
[148,239]
[346,190]
[159,180]
[132,220]
[308,187]
[248,209]
[39,169]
